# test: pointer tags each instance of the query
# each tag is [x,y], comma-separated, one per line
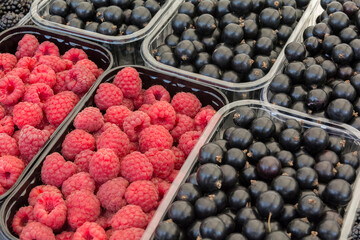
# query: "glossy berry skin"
[262,128]
[211,153]
[236,158]
[287,187]
[182,213]
[188,192]
[315,139]
[346,172]
[329,229]
[307,178]
[340,110]
[243,116]
[310,207]
[209,177]
[59,8]
[338,192]
[85,10]
[240,138]
[213,228]
[239,199]
[325,171]
[269,202]
[295,52]
[298,228]
[290,139]
[268,167]
[167,230]
[254,229]
[205,207]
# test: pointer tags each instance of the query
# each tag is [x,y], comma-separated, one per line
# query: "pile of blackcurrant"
[109,17]
[265,179]
[235,41]
[355,233]
[321,76]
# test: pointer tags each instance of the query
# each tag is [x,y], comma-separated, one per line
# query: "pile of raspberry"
[38,89]
[116,166]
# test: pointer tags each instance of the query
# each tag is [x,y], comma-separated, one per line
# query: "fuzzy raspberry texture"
[117,115]
[135,123]
[156,93]
[163,114]
[7,125]
[27,63]
[26,113]
[75,142]
[8,145]
[128,217]
[79,79]
[78,181]
[188,140]
[43,74]
[116,140]
[90,230]
[64,236]
[183,124]
[22,217]
[111,194]
[60,85]
[38,231]
[128,234]
[162,161]
[91,66]
[7,62]
[54,62]
[47,48]
[143,194]
[38,190]
[186,103]
[104,165]
[108,95]
[90,119]
[127,102]
[55,170]
[27,46]
[2,112]
[203,118]
[82,160]
[179,158]
[139,100]
[22,73]
[10,169]
[75,55]
[147,139]
[128,80]
[162,186]
[38,93]
[12,89]
[136,166]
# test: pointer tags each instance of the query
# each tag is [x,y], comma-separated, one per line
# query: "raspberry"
[128,80]
[162,161]
[129,216]
[163,139]
[133,146]
[60,85]
[186,103]
[162,186]
[82,160]
[2,190]
[50,128]
[2,74]
[207,107]
[104,165]
[50,210]
[7,62]
[135,166]
[188,140]
[26,113]
[142,193]
[2,112]
[91,66]
[183,124]
[69,64]
[27,62]
[128,234]
[59,106]
[114,139]
[12,89]
[108,95]
[54,62]
[23,216]
[172,176]
[8,145]
[75,142]
[145,108]
[89,230]
[43,74]
[90,119]
[111,194]
[135,123]
[78,181]
[83,206]
[38,93]
[47,48]
[21,73]
[27,46]
[31,140]
[40,189]
[203,118]
[139,100]
[179,158]
[38,231]
[117,115]
[127,102]
[7,125]
[156,93]
[10,169]
[64,236]
[162,113]
[75,55]
[105,127]
[79,79]
[103,222]
[55,170]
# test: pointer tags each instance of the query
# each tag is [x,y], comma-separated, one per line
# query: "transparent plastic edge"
[195,77]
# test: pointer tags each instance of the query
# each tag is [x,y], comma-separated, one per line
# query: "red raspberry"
[78,181]
[142,193]
[47,48]
[163,139]
[179,157]
[54,62]
[114,139]
[156,93]
[50,128]
[129,216]
[103,222]
[135,166]
[2,112]
[79,79]
[69,64]
[105,127]
[21,73]
[186,103]
[82,160]
[2,190]
[111,194]
[43,74]
[162,161]
[8,145]
[60,85]
[2,74]
[38,93]
[27,63]
[133,146]
[128,234]
[31,140]
[91,66]
[145,108]
[11,90]
[172,176]
[40,189]
[90,119]
[10,169]
[23,216]
[64,236]
[127,102]
[104,165]
[7,125]
[75,55]
[38,231]
[50,210]
[108,95]
[188,140]
[117,115]
[7,62]
[83,206]
[139,100]
[183,124]
[207,107]
[135,123]
[162,113]
[161,185]
[89,230]
[128,80]
[26,113]
[27,46]
[203,118]
[55,170]
[75,142]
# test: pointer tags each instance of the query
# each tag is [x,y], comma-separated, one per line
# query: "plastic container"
[124,48]
[224,118]
[8,43]
[149,77]
[234,91]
